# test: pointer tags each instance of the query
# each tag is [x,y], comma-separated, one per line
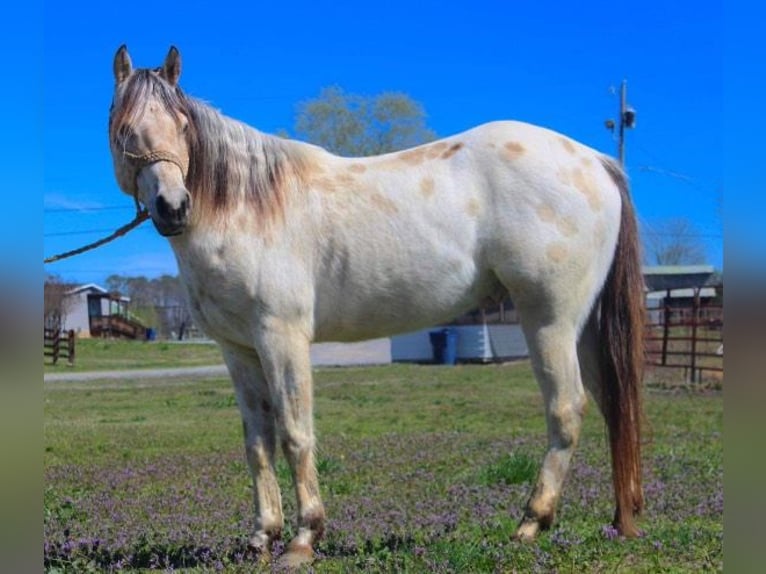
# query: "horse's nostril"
[163,207]
[170,213]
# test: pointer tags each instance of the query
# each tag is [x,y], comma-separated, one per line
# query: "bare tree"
[673,241]
[354,125]
[159,302]
[56,304]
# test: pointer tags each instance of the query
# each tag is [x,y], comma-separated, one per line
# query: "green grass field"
[108,354]
[422,469]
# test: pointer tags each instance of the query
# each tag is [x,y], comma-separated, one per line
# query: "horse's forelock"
[132,97]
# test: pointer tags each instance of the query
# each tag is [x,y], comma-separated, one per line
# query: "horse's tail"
[622,360]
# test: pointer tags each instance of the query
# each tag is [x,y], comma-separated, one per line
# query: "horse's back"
[439,228]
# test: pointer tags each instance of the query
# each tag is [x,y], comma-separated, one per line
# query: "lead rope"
[142,214]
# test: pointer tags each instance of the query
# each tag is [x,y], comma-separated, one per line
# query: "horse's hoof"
[527,531]
[259,550]
[295,556]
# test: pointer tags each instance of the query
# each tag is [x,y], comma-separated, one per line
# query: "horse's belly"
[367,312]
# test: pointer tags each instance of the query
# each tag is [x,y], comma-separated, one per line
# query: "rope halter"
[139,161]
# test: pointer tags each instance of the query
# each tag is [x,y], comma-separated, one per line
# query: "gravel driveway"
[372,352]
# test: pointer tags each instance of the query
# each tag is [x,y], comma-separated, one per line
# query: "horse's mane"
[230,163]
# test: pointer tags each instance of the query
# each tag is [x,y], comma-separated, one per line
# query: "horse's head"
[149,135]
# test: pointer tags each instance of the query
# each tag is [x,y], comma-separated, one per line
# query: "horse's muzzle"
[171,219]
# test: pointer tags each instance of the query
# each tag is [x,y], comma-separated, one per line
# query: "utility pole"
[627,120]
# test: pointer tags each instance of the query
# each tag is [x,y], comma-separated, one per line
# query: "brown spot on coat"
[473,207]
[413,156]
[513,150]
[427,186]
[433,151]
[384,204]
[568,145]
[453,149]
[556,252]
[567,226]
[345,179]
[334,183]
[585,185]
[546,213]
[325,183]
[357,168]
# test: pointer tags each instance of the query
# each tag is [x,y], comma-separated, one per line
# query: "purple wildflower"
[609,532]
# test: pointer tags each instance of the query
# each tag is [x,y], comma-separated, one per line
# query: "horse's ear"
[171,69]
[123,67]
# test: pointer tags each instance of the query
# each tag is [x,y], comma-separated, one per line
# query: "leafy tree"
[674,241]
[355,125]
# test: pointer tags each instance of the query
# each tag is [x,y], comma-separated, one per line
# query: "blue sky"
[466,62]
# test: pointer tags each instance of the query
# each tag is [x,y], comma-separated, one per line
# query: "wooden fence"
[59,344]
[689,338]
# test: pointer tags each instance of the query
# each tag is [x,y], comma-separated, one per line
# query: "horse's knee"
[259,457]
[296,444]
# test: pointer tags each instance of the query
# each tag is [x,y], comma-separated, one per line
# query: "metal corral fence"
[59,344]
[688,338]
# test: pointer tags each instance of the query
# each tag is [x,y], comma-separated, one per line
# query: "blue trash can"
[151,334]
[444,345]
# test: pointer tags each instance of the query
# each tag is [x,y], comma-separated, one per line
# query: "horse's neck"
[243,167]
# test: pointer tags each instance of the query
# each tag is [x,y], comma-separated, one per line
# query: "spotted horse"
[280,243]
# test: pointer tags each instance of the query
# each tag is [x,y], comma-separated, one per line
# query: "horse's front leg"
[260,433]
[284,351]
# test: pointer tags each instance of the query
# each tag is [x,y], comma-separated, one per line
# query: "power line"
[669,173]
[78,232]
[117,272]
[691,235]
[81,232]
[78,209]
[660,169]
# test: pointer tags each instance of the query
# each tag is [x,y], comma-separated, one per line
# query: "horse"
[280,243]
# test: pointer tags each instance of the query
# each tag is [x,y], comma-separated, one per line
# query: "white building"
[86,305]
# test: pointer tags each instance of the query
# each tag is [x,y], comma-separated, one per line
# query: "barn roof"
[664,277]
[88,287]
[96,289]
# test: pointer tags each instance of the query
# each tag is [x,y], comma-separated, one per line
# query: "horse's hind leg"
[254,400]
[553,350]
[588,354]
